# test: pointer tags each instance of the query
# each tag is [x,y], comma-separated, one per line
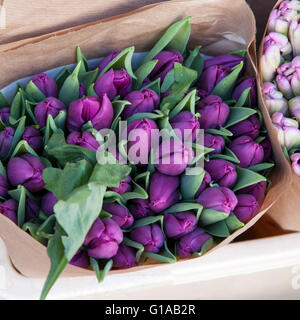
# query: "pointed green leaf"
[247,178]
[209,216]
[238,114]
[143,72]
[34,92]
[218,229]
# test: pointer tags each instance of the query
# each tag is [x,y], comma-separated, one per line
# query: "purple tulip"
[247,207]
[6,138]
[172,157]
[166,60]
[221,171]
[215,142]
[204,184]
[188,125]
[124,186]
[288,78]
[120,214]
[202,94]
[26,170]
[50,106]
[267,147]
[150,236]
[107,60]
[48,202]
[278,22]
[213,111]
[125,257]
[163,191]
[82,91]
[139,135]
[274,99]
[211,76]
[294,107]
[46,85]
[246,83]
[9,209]
[294,36]
[113,83]
[33,138]
[180,223]
[97,110]
[257,190]
[81,259]
[249,127]
[140,208]
[141,101]
[103,239]
[32,208]
[192,242]
[219,199]
[4,114]
[227,60]
[296,163]
[247,151]
[4,186]
[83,139]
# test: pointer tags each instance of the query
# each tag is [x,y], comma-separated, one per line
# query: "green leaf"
[34,92]
[165,256]
[209,244]
[190,184]
[144,115]
[19,195]
[244,99]
[29,108]
[47,228]
[62,182]
[247,178]
[218,229]
[176,37]
[17,136]
[70,89]
[238,114]
[261,167]
[210,216]
[32,228]
[233,223]
[61,77]
[23,147]
[228,155]
[88,78]
[142,73]
[16,109]
[145,221]
[225,87]
[3,101]
[118,106]
[184,206]
[187,103]
[221,132]
[154,85]
[100,274]
[84,66]
[130,243]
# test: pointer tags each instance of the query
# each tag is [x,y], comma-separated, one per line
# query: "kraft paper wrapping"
[286,211]
[220,26]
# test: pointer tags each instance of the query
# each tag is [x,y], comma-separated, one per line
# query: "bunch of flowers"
[280,62]
[101,196]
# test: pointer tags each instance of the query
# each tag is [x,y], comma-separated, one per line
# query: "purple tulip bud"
[172,157]
[202,94]
[150,236]
[97,110]
[295,158]
[188,125]
[180,223]
[246,83]
[48,202]
[9,209]
[82,90]
[119,214]
[267,147]
[213,111]
[227,60]
[140,208]
[103,239]
[46,85]
[4,114]
[49,106]
[113,83]
[249,127]
[125,257]
[139,135]
[247,151]
[294,107]
[274,99]
[33,138]
[221,171]
[204,184]
[6,138]
[257,190]
[141,101]
[294,36]
[163,191]
[81,259]
[219,199]
[124,186]
[4,186]
[166,60]
[107,60]
[83,139]
[215,142]
[278,23]
[211,76]
[32,208]
[279,40]
[26,170]
[192,242]
[247,207]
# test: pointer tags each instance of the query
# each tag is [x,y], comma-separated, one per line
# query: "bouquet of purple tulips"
[101,196]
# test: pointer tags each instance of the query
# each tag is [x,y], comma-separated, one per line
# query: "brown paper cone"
[286,211]
[220,26]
